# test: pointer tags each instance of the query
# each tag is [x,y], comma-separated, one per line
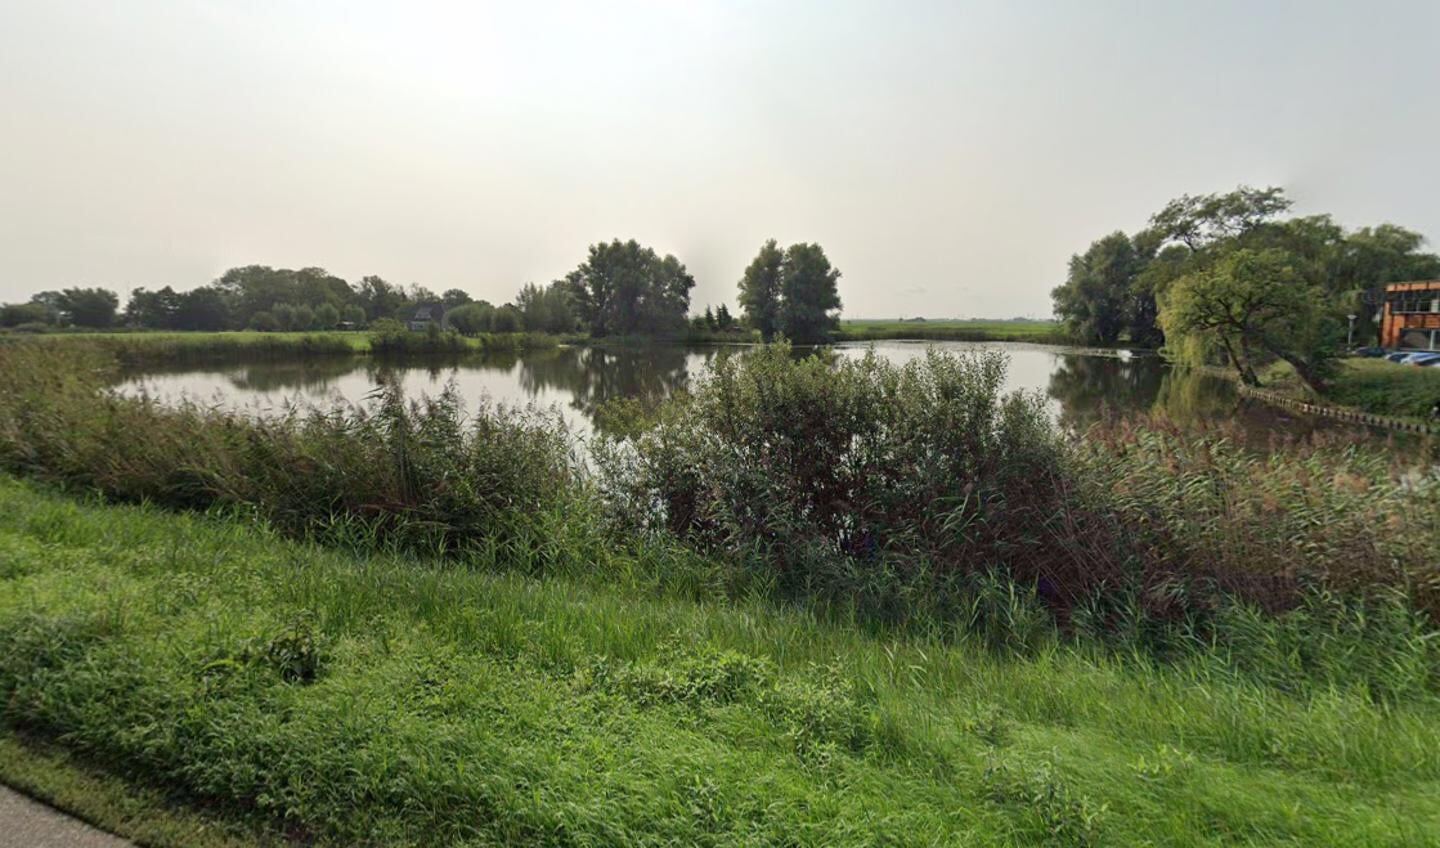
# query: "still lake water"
[1081,386]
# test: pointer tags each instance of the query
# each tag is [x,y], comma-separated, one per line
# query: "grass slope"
[346,699]
[1370,385]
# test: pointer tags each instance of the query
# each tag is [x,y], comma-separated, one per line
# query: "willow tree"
[1252,305]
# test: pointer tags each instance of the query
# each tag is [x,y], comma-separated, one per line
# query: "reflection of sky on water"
[1081,386]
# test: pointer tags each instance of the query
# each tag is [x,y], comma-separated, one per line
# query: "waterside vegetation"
[800,592]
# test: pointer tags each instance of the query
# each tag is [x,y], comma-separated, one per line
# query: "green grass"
[1370,385]
[141,813]
[346,699]
[1044,332]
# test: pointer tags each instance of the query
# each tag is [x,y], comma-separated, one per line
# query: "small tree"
[15,314]
[723,319]
[472,318]
[354,315]
[507,319]
[304,318]
[326,316]
[284,315]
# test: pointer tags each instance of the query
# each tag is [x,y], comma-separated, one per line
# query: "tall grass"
[342,699]
[428,475]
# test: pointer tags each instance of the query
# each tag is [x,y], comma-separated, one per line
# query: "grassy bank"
[1040,332]
[1368,385]
[344,699]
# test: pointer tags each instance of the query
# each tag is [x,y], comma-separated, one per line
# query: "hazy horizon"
[949,157]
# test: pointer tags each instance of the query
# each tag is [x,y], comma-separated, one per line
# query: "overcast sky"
[949,156]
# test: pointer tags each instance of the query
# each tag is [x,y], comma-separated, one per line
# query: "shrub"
[860,477]
[391,338]
[907,489]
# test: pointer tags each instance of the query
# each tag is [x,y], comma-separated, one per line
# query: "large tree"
[810,298]
[760,290]
[1102,296]
[1369,258]
[1200,220]
[624,288]
[153,310]
[379,298]
[1252,303]
[203,308]
[94,307]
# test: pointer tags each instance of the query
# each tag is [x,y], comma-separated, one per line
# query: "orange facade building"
[1410,319]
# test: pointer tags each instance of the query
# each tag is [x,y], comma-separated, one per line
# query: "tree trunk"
[1239,363]
[1307,372]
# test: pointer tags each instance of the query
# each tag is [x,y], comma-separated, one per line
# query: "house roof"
[428,312]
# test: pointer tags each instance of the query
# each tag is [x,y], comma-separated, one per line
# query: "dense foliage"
[891,486]
[1000,634]
[1223,278]
[792,293]
[623,288]
[893,489]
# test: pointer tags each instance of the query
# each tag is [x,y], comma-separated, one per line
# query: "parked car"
[1368,352]
[1397,356]
[1424,358]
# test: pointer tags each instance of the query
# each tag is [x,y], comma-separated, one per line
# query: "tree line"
[621,288]
[1228,279]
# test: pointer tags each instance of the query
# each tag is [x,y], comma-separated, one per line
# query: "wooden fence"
[1406,425]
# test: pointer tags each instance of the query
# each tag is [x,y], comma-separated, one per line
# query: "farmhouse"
[427,315]
[1411,316]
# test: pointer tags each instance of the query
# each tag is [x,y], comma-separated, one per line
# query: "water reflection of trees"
[594,376]
[1091,389]
[311,375]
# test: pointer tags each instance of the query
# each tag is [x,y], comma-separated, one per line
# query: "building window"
[1413,338]
[1413,302]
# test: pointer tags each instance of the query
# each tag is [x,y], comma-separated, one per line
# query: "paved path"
[25,823]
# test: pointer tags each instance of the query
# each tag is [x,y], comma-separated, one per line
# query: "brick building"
[1411,316]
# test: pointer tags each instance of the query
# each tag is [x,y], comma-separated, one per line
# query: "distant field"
[953,329]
